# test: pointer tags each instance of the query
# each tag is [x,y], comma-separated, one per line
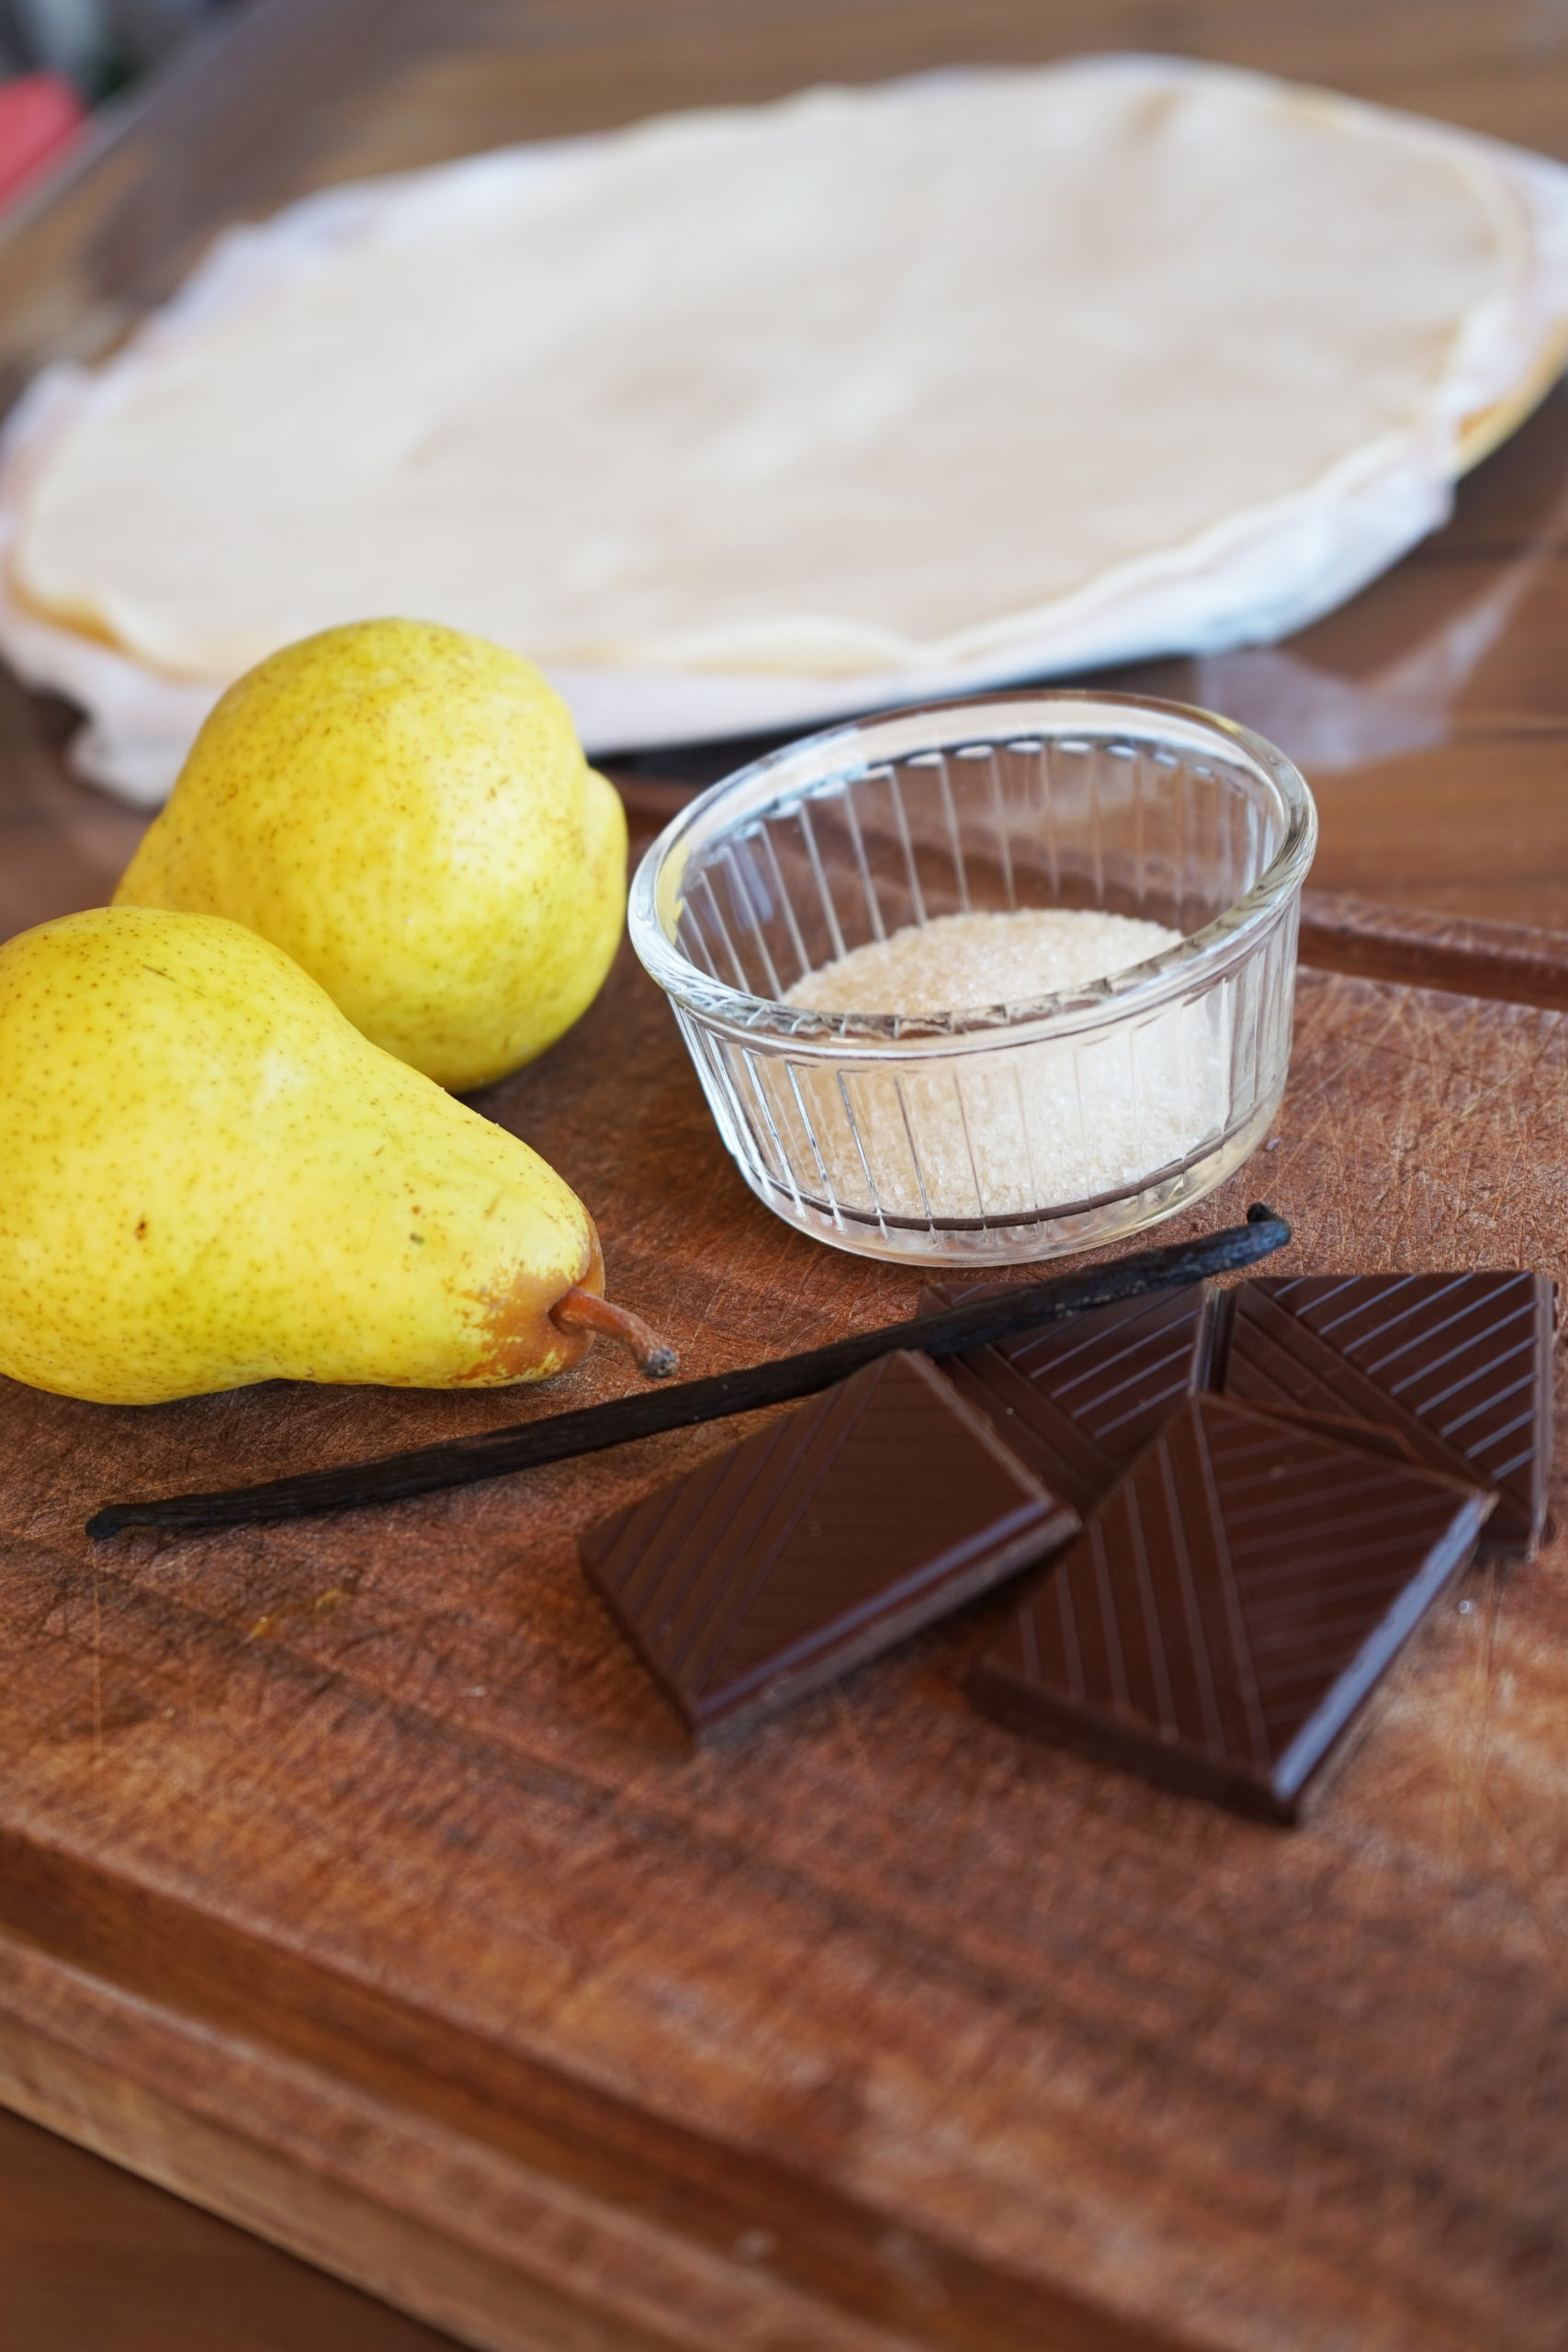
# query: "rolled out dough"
[903,383]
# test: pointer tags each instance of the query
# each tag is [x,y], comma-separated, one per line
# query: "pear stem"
[580,1311]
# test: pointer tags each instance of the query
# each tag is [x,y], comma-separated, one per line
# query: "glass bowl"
[1000,1132]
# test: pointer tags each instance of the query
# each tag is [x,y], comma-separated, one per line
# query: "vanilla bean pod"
[528,1445]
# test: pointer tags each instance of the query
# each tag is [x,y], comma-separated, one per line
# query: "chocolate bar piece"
[1372,1437]
[1078,1401]
[1467,1355]
[779,1564]
[1231,1606]
[1266,1356]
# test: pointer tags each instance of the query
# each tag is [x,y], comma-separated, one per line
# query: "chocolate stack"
[1249,1500]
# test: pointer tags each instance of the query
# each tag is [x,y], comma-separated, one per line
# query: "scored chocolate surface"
[1078,1401]
[1266,1356]
[1467,1355]
[1372,1437]
[1230,1605]
[815,1545]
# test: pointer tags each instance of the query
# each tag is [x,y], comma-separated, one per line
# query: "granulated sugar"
[1002,1129]
[960,962]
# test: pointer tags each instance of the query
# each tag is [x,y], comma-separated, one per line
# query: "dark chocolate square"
[1266,1356]
[1078,1400]
[1372,1437]
[779,1564]
[1468,1356]
[1231,1606]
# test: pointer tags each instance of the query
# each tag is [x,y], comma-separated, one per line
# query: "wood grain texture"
[159,2272]
[1509,962]
[357,1881]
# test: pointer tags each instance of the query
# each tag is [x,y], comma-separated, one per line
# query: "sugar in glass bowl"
[989,1133]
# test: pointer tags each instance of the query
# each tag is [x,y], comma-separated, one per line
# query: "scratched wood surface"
[1432,716]
[355,1879]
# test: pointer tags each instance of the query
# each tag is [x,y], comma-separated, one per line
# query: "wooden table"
[1432,714]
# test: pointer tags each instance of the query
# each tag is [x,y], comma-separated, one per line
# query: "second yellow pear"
[406,811]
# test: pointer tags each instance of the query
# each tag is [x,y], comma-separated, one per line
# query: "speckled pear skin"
[211,1178]
[407,813]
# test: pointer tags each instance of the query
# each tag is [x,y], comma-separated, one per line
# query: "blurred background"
[59,59]
[95,46]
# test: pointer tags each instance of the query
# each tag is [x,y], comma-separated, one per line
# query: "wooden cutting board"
[355,1882]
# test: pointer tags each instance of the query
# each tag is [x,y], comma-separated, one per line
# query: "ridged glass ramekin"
[998,1132]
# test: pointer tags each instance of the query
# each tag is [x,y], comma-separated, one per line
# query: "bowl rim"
[1205,952]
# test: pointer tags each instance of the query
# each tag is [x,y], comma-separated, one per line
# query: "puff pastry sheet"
[746,419]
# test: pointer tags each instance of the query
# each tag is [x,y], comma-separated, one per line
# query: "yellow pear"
[406,811]
[211,1178]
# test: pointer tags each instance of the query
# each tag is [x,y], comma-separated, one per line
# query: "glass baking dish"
[1002,1132]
